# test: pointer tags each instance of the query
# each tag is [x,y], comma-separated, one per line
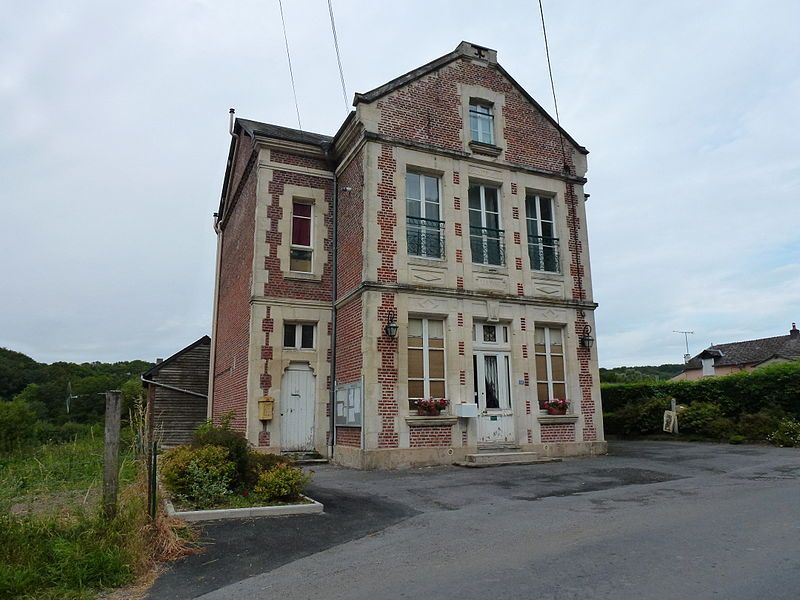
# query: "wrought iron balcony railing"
[425,237]
[544,254]
[488,246]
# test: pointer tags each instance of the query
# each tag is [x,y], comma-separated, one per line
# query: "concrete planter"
[313,507]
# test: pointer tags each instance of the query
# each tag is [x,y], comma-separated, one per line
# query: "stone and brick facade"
[481,286]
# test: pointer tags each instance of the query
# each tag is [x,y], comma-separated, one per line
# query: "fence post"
[111,453]
[152,479]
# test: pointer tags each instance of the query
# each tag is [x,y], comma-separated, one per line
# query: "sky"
[113,143]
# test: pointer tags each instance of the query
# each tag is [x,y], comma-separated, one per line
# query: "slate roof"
[285,133]
[750,351]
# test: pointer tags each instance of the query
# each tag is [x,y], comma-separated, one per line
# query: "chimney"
[794,332]
[159,361]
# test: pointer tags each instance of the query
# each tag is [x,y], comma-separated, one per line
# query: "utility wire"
[291,73]
[338,57]
[552,83]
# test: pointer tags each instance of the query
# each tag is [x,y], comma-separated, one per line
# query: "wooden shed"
[177,393]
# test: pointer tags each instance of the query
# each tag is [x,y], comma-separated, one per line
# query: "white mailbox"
[468,409]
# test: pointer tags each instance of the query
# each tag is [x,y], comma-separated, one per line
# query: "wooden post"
[674,406]
[111,453]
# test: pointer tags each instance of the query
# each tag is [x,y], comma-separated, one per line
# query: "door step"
[496,459]
[306,458]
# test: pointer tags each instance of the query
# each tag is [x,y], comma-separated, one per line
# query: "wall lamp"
[390,329]
[586,340]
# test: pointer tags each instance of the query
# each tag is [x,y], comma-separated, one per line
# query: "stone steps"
[488,458]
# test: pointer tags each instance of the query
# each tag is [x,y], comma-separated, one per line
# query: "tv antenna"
[686,334]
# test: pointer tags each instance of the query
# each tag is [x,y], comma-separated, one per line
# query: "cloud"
[114,121]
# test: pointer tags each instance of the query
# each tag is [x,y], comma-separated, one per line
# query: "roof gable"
[205,340]
[468,51]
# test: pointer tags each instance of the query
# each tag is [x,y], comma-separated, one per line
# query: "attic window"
[481,121]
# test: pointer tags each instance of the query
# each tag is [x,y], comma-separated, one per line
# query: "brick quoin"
[527,407]
[459,255]
[530,436]
[579,293]
[388,408]
[515,212]
[519,263]
[464,438]
[460,319]
[431,437]
[457,203]
[564,432]
[514,193]
[456,178]
[523,324]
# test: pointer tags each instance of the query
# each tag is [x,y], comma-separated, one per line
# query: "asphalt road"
[651,520]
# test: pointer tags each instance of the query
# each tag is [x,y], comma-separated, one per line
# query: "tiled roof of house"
[751,351]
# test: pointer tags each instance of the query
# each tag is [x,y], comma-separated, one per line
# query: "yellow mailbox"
[266,405]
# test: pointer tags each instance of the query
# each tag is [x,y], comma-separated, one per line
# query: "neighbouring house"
[434,247]
[177,393]
[724,359]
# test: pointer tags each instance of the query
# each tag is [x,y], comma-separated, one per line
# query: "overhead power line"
[552,83]
[291,73]
[338,57]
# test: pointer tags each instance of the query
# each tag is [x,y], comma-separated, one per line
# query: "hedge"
[767,388]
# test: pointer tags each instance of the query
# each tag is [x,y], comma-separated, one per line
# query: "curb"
[313,507]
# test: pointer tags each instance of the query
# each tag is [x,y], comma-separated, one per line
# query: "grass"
[54,542]
[57,476]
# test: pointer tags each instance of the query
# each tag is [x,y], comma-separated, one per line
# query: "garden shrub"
[698,417]
[721,428]
[200,476]
[258,462]
[234,442]
[636,419]
[757,427]
[17,425]
[787,435]
[282,483]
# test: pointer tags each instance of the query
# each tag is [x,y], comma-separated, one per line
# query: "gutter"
[172,387]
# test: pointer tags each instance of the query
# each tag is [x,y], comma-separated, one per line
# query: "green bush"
[721,428]
[774,387]
[698,418]
[636,419]
[258,462]
[282,483]
[200,476]
[737,439]
[50,433]
[757,427]
[17,425]
[234,442]
[787,435]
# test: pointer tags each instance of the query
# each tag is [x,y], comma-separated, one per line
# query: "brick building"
[458,267]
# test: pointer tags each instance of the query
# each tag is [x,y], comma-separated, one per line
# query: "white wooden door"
[297,409]
[493,395]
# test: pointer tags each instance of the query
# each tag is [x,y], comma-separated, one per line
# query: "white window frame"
[537,201]
[501,239]
[298,335]
[292,245]
[548,354]
[502,339]
[483,120]
[423,211]
[426,365]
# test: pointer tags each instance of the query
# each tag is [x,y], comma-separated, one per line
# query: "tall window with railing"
[486,238]
[424,229]
[542,240]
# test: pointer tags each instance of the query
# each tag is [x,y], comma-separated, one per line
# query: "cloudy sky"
[113,141]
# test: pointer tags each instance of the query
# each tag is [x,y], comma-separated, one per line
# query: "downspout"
[334,291]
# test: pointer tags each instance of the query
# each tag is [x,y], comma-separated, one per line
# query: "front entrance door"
[297,409]
[493,395]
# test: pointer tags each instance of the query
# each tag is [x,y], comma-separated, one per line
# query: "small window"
[481,122]
[298,336]
[301,252]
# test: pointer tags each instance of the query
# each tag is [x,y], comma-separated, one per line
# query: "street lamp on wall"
[586,340]
[390,329]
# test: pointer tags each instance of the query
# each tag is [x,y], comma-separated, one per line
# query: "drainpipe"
[334,288]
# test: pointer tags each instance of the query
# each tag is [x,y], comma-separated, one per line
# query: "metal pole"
[152,486]
[111,453]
